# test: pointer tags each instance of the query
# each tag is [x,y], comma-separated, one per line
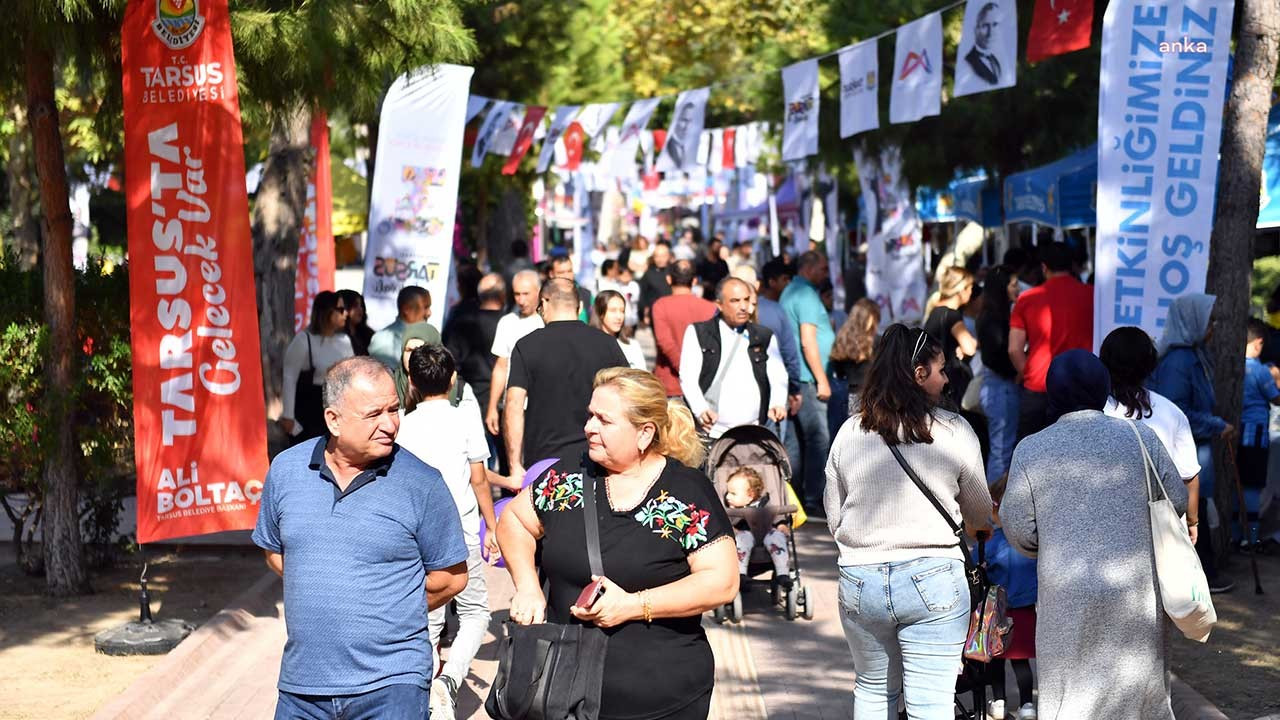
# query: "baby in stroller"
[745,489]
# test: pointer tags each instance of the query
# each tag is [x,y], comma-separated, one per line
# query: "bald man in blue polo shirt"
[372,542]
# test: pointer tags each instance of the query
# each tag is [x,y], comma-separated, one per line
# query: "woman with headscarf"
[415,336]
[1185,376]
[1077,501]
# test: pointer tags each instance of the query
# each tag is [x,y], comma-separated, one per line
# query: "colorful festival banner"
[800,115]
[987,56]
[1159,125]
[917,70]
[859,89]
[415,188]
[504,136]
[199,419]
[476,104]
[524,140]
[595,118]
[621,159]
[686,128]
[493,121]
[315,246]
[895,277]
[1059,26]
[559,123]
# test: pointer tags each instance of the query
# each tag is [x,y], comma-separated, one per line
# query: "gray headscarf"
[1188,322]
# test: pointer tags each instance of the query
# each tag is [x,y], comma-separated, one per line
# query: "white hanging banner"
[859,88]
[987,56]
[917,70]
[895,279]
[415,188]
[475,104]
[564,116]
[1159,124]
[622,156]
[595,118]
[504,137]
[800,127]
[496,118]
[686,128]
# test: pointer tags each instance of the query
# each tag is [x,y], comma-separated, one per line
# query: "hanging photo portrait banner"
[316,261]
[987,56]
[415,188]
[895,276]
[495,120]
[200,441]
[622,156]
[596,117]
[859,89]
[559,123]
[686,128]
[505,135]
[1159,124]
[917,70]
[475,104]
[800,116]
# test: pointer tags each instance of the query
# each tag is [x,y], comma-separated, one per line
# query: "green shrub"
[1266,277]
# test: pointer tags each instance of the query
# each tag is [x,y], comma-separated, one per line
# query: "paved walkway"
[766,667]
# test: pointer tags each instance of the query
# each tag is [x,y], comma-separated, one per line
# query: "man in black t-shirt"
[554,369]
[469,335]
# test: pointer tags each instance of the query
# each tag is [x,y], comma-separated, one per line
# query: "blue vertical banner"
[1160,108]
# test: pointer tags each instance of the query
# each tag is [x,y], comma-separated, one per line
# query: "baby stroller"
[756,447]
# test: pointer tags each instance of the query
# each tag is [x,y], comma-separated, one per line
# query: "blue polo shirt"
[1255,416]
[803,305]
[356,563]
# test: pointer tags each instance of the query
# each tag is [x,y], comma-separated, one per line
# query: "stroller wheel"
[792,603]
[718,615]
[735,610]
[806,603]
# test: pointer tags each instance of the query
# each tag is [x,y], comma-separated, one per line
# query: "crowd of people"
[546,391]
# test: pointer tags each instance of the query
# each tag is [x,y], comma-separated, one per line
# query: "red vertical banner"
[315,245]
[532,118]
[199,420]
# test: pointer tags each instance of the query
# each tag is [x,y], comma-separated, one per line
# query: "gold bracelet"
[646,605]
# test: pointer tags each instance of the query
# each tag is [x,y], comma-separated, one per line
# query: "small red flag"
[659,140]
[574,137]
[532,117]
[728,161]
[1059,26]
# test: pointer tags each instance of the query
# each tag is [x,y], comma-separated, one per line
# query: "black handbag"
[553,671]
[308,405]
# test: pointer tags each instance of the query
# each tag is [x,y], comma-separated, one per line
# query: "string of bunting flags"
[986,59]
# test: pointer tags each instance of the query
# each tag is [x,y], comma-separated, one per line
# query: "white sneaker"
[995,710]
[444,696]
[1027,712]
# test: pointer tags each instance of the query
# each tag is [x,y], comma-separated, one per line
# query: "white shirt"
[739,402]
[325,353]
[1171,426]
[449,439]
[634,354]
[512,327]
[631,291]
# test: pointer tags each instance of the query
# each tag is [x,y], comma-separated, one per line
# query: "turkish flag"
[659,140]
[730,137]
[532,118]
[1059,26]
[573,138]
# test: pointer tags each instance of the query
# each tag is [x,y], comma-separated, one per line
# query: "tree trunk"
[1231,245]
[64,560]
[24,199]
[277,225]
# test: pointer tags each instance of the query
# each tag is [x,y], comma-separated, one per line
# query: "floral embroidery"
[558,491]
[672,518]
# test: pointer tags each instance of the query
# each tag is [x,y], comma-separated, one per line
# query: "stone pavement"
[766,667]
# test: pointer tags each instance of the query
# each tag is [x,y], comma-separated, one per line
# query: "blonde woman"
[666,544]
[851,353]
[945,322]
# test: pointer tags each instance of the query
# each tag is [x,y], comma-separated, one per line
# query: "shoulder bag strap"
[1148,467]
[310,360]
[591,520]
[956,529]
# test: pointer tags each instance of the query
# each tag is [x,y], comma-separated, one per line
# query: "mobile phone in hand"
[590,594]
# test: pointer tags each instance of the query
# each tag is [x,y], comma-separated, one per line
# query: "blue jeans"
[393,702]
[1000,400]
[906,624]
[810,464]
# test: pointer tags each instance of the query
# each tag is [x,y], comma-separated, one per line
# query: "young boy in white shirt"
[451,440]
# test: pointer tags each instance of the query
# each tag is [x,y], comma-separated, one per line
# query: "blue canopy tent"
[977,199]
[1061,194]
[935,206]
[1269,207]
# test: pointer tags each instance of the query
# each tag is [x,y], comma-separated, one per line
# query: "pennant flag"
[686,127]
[917,70]
[595,118]
[475,104]
[564,115]
[573,141]
[504,138]
[496,118]
[859,88]
[316,261]
[987,56]
[715,154]
[200,443]
[622,156]
[1159,125]
[524,139]
[800,129]
[730,138]
[1059,26]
